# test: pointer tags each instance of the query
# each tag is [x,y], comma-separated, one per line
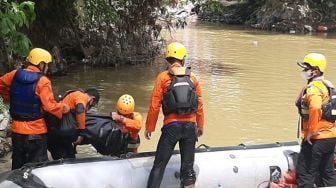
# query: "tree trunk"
[4,61]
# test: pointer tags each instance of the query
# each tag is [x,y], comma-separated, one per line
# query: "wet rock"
[5,130]
[322,28]
[229,18]
[308,28]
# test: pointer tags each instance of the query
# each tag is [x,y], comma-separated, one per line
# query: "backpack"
[181,97]
[329,108]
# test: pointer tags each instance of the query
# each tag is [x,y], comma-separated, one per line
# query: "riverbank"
[282,16]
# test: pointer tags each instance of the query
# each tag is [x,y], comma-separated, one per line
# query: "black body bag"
[65,127]
[68,126]
[104,135]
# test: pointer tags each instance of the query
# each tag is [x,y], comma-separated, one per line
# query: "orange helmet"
[125,104]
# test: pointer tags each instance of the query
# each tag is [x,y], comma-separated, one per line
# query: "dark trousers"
[28,148]
[61,147]
[315,164]
[185,134]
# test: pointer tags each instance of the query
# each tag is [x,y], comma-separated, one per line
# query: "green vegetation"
[214,6]
[296,16]
[13,17]
[99,32]
[111,33]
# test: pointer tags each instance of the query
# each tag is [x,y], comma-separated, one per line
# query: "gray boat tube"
[236,166]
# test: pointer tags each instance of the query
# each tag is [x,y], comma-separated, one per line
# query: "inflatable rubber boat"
[237,166]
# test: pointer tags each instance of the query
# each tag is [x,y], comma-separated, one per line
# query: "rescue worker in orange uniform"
[315,161]
[129,121]
[179,93]
[30,94]
[79,101]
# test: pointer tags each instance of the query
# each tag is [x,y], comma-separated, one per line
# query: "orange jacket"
[75,98]
[316,95]
[44,91]
[131,125]
[163,81]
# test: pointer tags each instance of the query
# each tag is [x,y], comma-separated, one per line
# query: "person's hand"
[199,131]
[147,134]
[79,140]
[66,108]
[117,117]
[114,115]
[309,135]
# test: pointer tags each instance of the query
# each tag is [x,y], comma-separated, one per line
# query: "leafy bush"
[14,16]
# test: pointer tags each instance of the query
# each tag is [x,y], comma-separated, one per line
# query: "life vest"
[328,108]
[25,105]
[303,108]
[181,97]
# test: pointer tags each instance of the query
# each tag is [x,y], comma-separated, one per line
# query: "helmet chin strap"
[43,68]
[314,74]
[183,61]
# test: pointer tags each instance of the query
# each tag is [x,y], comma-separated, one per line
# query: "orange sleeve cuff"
[80,119]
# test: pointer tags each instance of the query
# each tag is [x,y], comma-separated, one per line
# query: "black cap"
[304,65]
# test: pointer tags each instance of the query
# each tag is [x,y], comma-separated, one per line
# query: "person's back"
[79,101]
[30,95]
[179,93]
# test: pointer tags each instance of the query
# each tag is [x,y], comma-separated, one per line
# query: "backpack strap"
[71,91]
[179,71]
[330,86]
[188,71]
[327,83]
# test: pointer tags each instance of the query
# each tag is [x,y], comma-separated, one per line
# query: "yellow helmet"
[38,55]
[315,60]
[176,50]
[125,104]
